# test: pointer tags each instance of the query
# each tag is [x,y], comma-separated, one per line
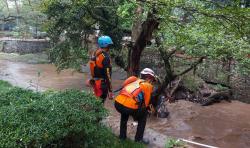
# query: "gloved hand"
[111,96]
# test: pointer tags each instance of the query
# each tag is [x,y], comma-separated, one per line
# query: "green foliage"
[25,16]
[205,28]
[192,82]
[53,119]
[68,20]
[4,86]
[71,22]
[125,12]
[172,143]
[217,30]
[67,55]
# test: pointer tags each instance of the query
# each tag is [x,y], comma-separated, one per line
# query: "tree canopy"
[208,28]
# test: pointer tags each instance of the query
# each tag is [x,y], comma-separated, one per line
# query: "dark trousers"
[125,113]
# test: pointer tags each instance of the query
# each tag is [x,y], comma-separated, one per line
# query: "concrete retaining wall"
[241,87]
[23,46]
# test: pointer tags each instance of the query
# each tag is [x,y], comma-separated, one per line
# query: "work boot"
[144,141]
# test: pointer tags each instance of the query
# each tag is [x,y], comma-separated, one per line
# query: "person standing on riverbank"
[133,100]
[101,69]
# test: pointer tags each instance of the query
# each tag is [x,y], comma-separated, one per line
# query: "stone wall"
[23,46]
[218,72]
[241,87]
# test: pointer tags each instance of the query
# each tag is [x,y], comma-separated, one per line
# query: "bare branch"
[194,65]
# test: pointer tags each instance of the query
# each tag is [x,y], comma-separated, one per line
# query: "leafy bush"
[17,96]
[53,119]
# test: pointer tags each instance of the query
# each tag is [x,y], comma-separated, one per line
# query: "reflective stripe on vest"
[132,90]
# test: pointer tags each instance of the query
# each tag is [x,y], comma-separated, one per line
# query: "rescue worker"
[133,100]
[101,69]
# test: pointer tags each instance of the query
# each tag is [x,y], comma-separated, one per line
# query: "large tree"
[200,28]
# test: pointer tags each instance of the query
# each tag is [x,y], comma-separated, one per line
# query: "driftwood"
[217,97]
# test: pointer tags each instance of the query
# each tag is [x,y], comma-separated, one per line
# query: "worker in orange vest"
[101,69]
[133,100]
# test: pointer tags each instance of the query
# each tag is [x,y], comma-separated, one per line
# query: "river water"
[225,125]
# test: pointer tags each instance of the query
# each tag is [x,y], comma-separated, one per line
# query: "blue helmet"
[104,41]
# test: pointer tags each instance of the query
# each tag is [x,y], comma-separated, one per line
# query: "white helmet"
[148,71]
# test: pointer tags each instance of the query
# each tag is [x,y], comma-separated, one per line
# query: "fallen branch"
[216,83]
[217,97]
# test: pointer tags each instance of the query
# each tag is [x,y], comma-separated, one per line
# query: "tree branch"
[192,66]
[99,18]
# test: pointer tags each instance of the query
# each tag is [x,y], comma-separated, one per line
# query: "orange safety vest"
[128,95]
[96,61]
[132,90]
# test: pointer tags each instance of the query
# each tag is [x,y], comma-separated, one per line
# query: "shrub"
[34,120]
[53,119]
[17,96]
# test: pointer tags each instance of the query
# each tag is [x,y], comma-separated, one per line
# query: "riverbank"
[225,125]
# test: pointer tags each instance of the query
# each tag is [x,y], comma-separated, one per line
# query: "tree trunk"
[166,59]
[144,36]
[217,97]
[17,8]
[136,29]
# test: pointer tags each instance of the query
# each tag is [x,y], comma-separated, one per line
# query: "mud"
[225,125]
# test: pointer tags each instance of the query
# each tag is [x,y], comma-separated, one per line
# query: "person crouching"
[133,100]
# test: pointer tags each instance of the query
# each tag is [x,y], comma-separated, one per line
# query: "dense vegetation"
[201,29]
[22,17]
[204,29]
[53,119]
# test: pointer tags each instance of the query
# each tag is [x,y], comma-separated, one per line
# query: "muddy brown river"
[225,125]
